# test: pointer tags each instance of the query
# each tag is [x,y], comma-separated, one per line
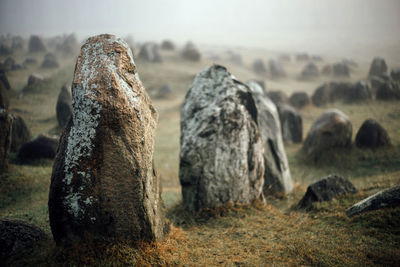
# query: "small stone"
[42,147]
[20,133]
[292,124]
[310,71]
[50,61]
[378,67]
[168,45]
[372,135]
[299,100]
[259,66]
[191,52]
[341,70]
[150,52]
[36,44]
[276,70]
[64,106]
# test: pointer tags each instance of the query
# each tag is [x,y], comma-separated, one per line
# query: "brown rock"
[104,185]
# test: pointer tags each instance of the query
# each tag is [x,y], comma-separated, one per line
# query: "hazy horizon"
[302,25]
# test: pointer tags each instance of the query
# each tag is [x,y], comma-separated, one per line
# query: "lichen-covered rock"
[16,236]
[20,133]
[299,100]
[259,66]
[36,44]
[50,61]
[388,198]
[64,106]
[221,157]
[310,71]
[378,67]
[150,52]
[372,135]
[42,147]
[277,177]
[292,124]
[104,185]
[191,52]
[331,130]
[5,138]
[327,189]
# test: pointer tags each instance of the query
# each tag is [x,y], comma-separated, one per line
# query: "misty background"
[342,26]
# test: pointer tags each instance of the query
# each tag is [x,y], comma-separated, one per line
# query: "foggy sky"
[233,22]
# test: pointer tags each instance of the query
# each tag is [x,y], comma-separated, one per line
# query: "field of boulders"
[115,152]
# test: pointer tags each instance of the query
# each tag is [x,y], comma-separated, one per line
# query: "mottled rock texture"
[292,124]
[42,147]
[378,67]
[221,157]
[5,138]
[372,135]
[277,177]
[104,185]
[331,130]
[16,236]
[20,133]
[388,198]
[64,106]
[327,189]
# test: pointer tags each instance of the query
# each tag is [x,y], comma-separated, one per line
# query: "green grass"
[275,234]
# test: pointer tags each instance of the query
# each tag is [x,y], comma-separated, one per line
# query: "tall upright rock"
[63,107]
[104,184]
[221,157]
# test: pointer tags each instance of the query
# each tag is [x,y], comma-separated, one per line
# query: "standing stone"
[326,70]
[5,138]
[277,177]
[327,189]
[395,74]
[20,133]
[299,100]
[36,44]
[150,52]
[388,91]
[278,97]
[331,130]
[310,71]
[104,185]
[372,135]
[50,61]
[191,52]
[341,70]
[64,106]
[360,91]
[259,66]
[378,67]
[388,198]
[167,45]
[276,70]
[332,92]
[221,157]
[34,79]
[292,124]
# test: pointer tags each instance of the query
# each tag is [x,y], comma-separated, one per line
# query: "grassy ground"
[275,234]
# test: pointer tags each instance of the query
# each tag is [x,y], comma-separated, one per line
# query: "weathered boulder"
[64,106]
[278,97]
[4,101]
[221,156]
[36,44]
[255,87]
[376,82]
[50,61]
[104,185]
[164,92]
[167,45]
[277,177]
[276,70]
[259,82]
[322,95]
[20,133]
[359,91]
[299,100]
[331,92]
[378,67]
[16,236]
[191,52]
[395,74]
[292,124]
[331,130]
[310,71]
[5,138]
[42,147]
[342,91]
[340,70]
[388,91]
[326,189]
[150,52]
[388,198]
[259,66]
[372,135]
